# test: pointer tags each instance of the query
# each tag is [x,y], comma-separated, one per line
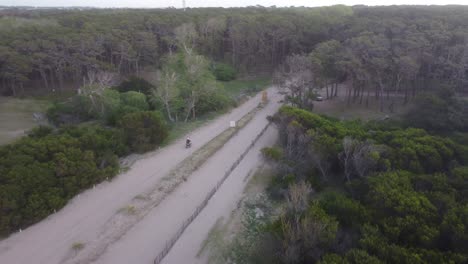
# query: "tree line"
[378,50]
[387,53]
[53,49]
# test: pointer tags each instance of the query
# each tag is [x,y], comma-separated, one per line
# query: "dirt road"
[190,244]
[82,220]
[148,238]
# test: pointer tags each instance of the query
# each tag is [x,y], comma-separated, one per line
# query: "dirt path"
[80,222]
[190,244]
[146,239]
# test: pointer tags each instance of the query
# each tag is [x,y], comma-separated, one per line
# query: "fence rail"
[170,243]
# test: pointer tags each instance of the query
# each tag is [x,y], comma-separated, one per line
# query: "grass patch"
[339,108]
[16,116]
[225,239]
[124,169]
[141,197]
[236,88]
[129,210]
[215,236]
[261,179]
[77,246]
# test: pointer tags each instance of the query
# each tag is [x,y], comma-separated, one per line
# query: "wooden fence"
[170,243]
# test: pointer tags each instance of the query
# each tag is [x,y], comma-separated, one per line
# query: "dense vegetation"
[358,192]
[41,172]
[382,193]
[387,52]
[440,111]
[379,49]
[55,49]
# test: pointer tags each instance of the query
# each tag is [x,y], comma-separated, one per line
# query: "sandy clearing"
[147,238]
[50,240]
[221,207]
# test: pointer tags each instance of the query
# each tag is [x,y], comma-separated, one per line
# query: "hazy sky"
[223,3]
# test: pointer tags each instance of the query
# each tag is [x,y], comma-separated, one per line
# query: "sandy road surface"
[221,207]
[50,240]
[146,239]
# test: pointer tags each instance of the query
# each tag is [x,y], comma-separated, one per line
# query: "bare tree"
[298,196]
[320,156]
[167,90]
[212,33]
[365,158]
[295,75]
[320,162]
[186,35]
[304,237]
[94,85]
[100,78]
[346,156]
[358,158]
[296,142]
[197,66]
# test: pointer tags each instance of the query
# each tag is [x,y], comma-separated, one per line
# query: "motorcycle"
[188,144]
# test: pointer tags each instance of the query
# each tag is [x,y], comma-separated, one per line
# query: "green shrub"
[41,172]
[461,173]
[332,259]
[439,112]
[213,101]
[273,153]
[40,131]
[134,100]
[111,105]
[75,110]
[101,140]
[455,227]
[359,256]
[224,72]
[118,104]
[412,208]
[349,212]
[144,130]
[135,84]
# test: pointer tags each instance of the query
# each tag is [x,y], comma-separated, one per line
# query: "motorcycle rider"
[188,142]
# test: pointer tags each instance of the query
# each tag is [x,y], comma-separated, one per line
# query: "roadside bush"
[135,100]
[111,104]
[144,130]
[101,140]
[224,72]
[135,84]
[409,207]
[41,172]
[273,153]
[117,104]
[40,131]
[73,111]
[213,101]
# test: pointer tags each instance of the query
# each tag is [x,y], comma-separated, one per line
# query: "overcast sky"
[223,3]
